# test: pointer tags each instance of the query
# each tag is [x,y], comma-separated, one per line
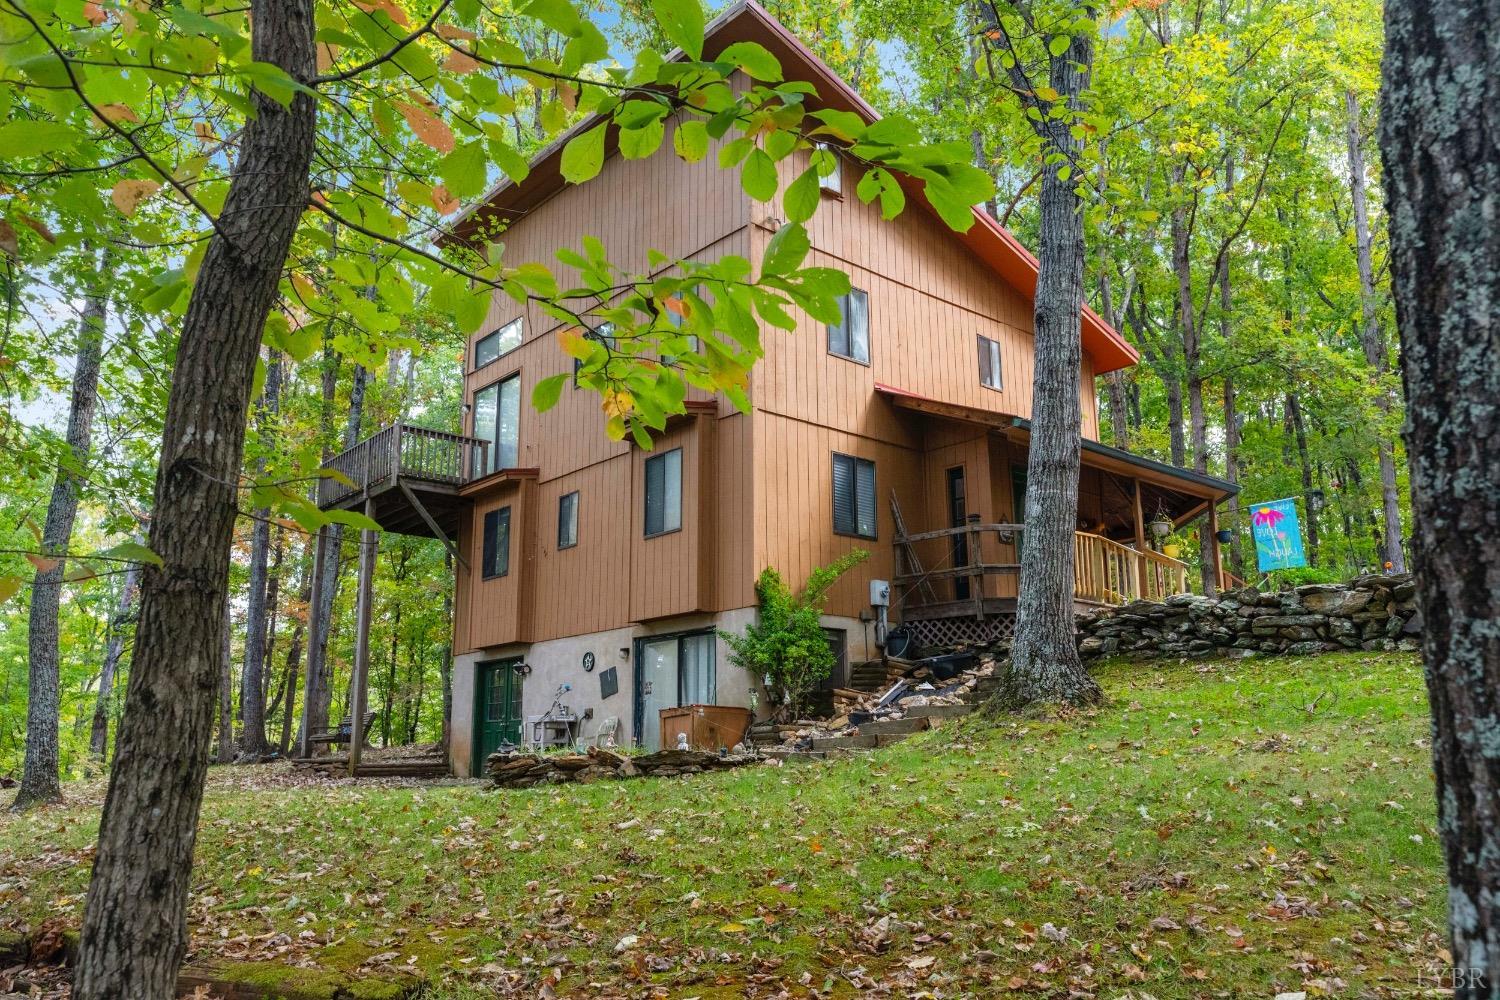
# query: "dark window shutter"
[865,498]
[491,527]
[656,482]
[843,494]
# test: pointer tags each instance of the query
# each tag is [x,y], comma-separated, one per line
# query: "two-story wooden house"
[598,565]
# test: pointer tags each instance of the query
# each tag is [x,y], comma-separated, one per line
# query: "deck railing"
[409,451]
[1104,571]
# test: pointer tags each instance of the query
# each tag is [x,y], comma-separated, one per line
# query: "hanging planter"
[1160,527]
[1171,550]
[1224,535]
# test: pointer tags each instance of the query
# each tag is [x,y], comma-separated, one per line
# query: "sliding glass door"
[497,420]
[670,671]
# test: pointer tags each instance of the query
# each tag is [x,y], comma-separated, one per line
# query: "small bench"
[340,734]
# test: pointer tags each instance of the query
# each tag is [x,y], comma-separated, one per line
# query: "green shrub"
[786,644]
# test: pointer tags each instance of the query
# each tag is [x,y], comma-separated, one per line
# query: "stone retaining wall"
[1369,612]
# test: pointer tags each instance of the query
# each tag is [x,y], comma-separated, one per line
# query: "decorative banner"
[1278,535]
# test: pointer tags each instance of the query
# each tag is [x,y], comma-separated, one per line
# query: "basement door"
[671,670]
[497,709]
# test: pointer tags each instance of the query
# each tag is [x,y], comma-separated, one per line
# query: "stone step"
[859,741]
[938,711]
[898,727]
[793,756]
[886,739]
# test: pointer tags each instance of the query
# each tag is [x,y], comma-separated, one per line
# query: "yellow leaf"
[328,54]
[617,403]
[429,127]
[815,845]
[204,131]
[118,113]
[128,194]
[679,306]
[574,345]
[10,586]
[733,929]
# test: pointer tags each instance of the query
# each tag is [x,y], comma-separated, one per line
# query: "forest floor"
[1234,828]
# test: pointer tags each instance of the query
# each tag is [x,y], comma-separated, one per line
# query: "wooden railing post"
[976,564]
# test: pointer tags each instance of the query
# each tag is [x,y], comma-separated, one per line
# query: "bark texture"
[1044,657]
[134,926]
[1372,337]
[39,777]
[1440,140]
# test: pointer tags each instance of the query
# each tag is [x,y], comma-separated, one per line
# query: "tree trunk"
[1232,474]
[99,737]
[1299,431]
[134,922]
[39,773]
[1372,337]
[253,743]
[315,713]
[226,685]
[1442,181]
[1044,657]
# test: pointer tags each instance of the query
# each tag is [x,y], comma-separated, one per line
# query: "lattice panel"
[962,631]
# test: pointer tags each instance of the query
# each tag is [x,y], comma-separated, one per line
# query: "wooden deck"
[1105,572]
[411,474]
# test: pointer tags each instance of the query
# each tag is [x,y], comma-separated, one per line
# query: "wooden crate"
[708,727]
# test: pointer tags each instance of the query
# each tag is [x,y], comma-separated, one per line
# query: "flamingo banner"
[1278,535]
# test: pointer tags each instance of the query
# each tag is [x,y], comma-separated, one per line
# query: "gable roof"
[749,21]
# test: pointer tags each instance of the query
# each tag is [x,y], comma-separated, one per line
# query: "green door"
[497,710]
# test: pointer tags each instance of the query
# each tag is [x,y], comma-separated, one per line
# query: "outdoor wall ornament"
[588,663]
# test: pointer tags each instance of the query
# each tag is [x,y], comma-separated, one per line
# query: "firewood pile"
[518,769]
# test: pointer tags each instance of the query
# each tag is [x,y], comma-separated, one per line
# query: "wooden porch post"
[314,636]
[1142,569]
[359,695]
[1213,544]
[976,564]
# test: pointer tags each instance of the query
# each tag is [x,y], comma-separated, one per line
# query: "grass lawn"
[1234,828]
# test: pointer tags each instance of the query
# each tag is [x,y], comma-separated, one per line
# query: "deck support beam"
[358,684]
[1140,532]
[432,525]
[314,636]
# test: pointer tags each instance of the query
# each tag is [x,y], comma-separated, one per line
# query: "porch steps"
[868,676]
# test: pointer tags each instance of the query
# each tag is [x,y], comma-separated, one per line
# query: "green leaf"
[754,60]
[639,143]
[547,392]
[464,170]
[1059,44]
[802,195]
[351,519]
[558,15]
[583,156]
[787,249]
[682,22]
[758,176]
[131,551]
[34,138]
[690,140]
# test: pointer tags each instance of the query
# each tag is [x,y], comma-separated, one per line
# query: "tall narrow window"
[853,496]
[989,363]
[496,542]
[833,181]
[502,341]
[567,520]
[850,336]
[497,420]
[664,492]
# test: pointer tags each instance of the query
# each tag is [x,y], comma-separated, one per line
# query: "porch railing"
[404,449]
[1104,571]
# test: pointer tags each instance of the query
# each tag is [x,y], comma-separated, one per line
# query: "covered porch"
[956,579]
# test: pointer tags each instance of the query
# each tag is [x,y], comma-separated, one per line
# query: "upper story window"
[605,334]
[502,341]
[567,520]
[989,363]
[853,496]
[664,492]
[850,336]
[496,542]
[833,181]
[497,420]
